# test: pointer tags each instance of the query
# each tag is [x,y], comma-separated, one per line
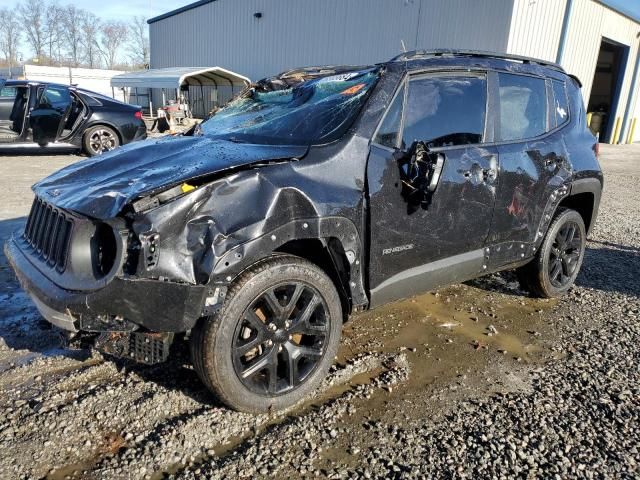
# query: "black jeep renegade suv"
[315,194]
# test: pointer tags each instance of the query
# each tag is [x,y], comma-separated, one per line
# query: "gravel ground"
[472,381]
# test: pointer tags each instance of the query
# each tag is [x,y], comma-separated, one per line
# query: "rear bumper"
[141,132]
[156,305]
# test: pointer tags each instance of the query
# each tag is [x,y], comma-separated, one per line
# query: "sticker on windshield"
[561,111]
[353,90]
[343,77]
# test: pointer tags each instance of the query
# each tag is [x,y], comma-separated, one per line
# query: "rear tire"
[99,139]
[274,339]
[555,267]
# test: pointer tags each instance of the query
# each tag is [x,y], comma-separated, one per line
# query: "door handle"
[437,170]
[490,174]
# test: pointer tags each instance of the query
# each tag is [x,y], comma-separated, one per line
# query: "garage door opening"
[606,87]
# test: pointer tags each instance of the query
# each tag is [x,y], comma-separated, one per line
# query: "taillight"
[596,149]
[138,115]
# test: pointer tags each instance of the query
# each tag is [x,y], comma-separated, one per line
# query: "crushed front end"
[74,269]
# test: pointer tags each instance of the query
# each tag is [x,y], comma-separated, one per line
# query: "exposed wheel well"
[328,254]
[582,203]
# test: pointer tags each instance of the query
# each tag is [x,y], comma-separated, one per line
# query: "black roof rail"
[403,57]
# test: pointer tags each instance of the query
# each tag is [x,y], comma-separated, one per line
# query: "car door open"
[50,113]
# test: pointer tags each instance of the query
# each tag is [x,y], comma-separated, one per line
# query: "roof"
[179,10]
[612,4]
[472,53]
[175,77]
[620,7]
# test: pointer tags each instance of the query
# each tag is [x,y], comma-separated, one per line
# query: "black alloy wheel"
[557,262]
[281,338]
[275,337]
[564,254]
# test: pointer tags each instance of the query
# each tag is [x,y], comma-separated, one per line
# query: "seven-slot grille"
[48,231]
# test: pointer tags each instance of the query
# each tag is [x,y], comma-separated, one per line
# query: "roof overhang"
[176,77]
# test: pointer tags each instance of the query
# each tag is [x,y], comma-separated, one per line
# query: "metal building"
[258,38]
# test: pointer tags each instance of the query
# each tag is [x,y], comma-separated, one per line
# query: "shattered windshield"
[312,112]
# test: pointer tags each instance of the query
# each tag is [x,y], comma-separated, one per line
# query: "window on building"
[560,103]
[442,111]
[523,106]
[389,131]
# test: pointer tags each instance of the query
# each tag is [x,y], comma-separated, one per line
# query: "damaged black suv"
[313,195]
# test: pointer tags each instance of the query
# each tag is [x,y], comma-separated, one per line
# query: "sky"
[630,7]
[120,9]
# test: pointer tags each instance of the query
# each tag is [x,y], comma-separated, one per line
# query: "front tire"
[99,139]
[555,267]
[274,339]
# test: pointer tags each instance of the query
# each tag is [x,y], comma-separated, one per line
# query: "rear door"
[48,117]
[428,231]
[533,161]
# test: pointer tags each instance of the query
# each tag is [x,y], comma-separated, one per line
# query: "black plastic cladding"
[253,199]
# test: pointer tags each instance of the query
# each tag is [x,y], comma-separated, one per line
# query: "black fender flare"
[593,186]
[241,257]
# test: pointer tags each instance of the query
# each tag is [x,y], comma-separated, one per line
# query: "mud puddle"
[461,342]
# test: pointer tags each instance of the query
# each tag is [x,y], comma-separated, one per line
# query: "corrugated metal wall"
[294,33]
[536,26]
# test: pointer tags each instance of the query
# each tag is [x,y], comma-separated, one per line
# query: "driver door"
[50,113]
[431,186]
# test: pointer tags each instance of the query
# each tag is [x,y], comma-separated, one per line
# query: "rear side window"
[445,110]
[560,103]
[389,131]
[523,106]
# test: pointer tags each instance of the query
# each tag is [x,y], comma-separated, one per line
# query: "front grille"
[48,231]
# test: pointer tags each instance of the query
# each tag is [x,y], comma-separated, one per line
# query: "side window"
[8,92]
[560,102]
[389,131]
[55,97]
[523,106]
[445,110]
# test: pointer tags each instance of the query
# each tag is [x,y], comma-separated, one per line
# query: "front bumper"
[157,305]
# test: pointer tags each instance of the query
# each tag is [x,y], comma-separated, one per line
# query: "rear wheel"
[274,339]
[554,269]
[100,139]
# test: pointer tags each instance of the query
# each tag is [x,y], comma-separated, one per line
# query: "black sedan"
[51,116]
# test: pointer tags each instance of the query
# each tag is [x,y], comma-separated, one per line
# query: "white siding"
[536,26]
[294,33]
[96,80]
[590,22]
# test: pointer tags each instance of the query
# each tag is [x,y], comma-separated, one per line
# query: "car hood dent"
[101,186]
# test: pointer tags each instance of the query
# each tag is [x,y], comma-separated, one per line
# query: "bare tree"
[31,14]
[139,42]
[112,36]
[73,22]
[9,36]
[90,26]
[53,31]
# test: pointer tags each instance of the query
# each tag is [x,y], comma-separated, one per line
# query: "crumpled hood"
[101,186]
